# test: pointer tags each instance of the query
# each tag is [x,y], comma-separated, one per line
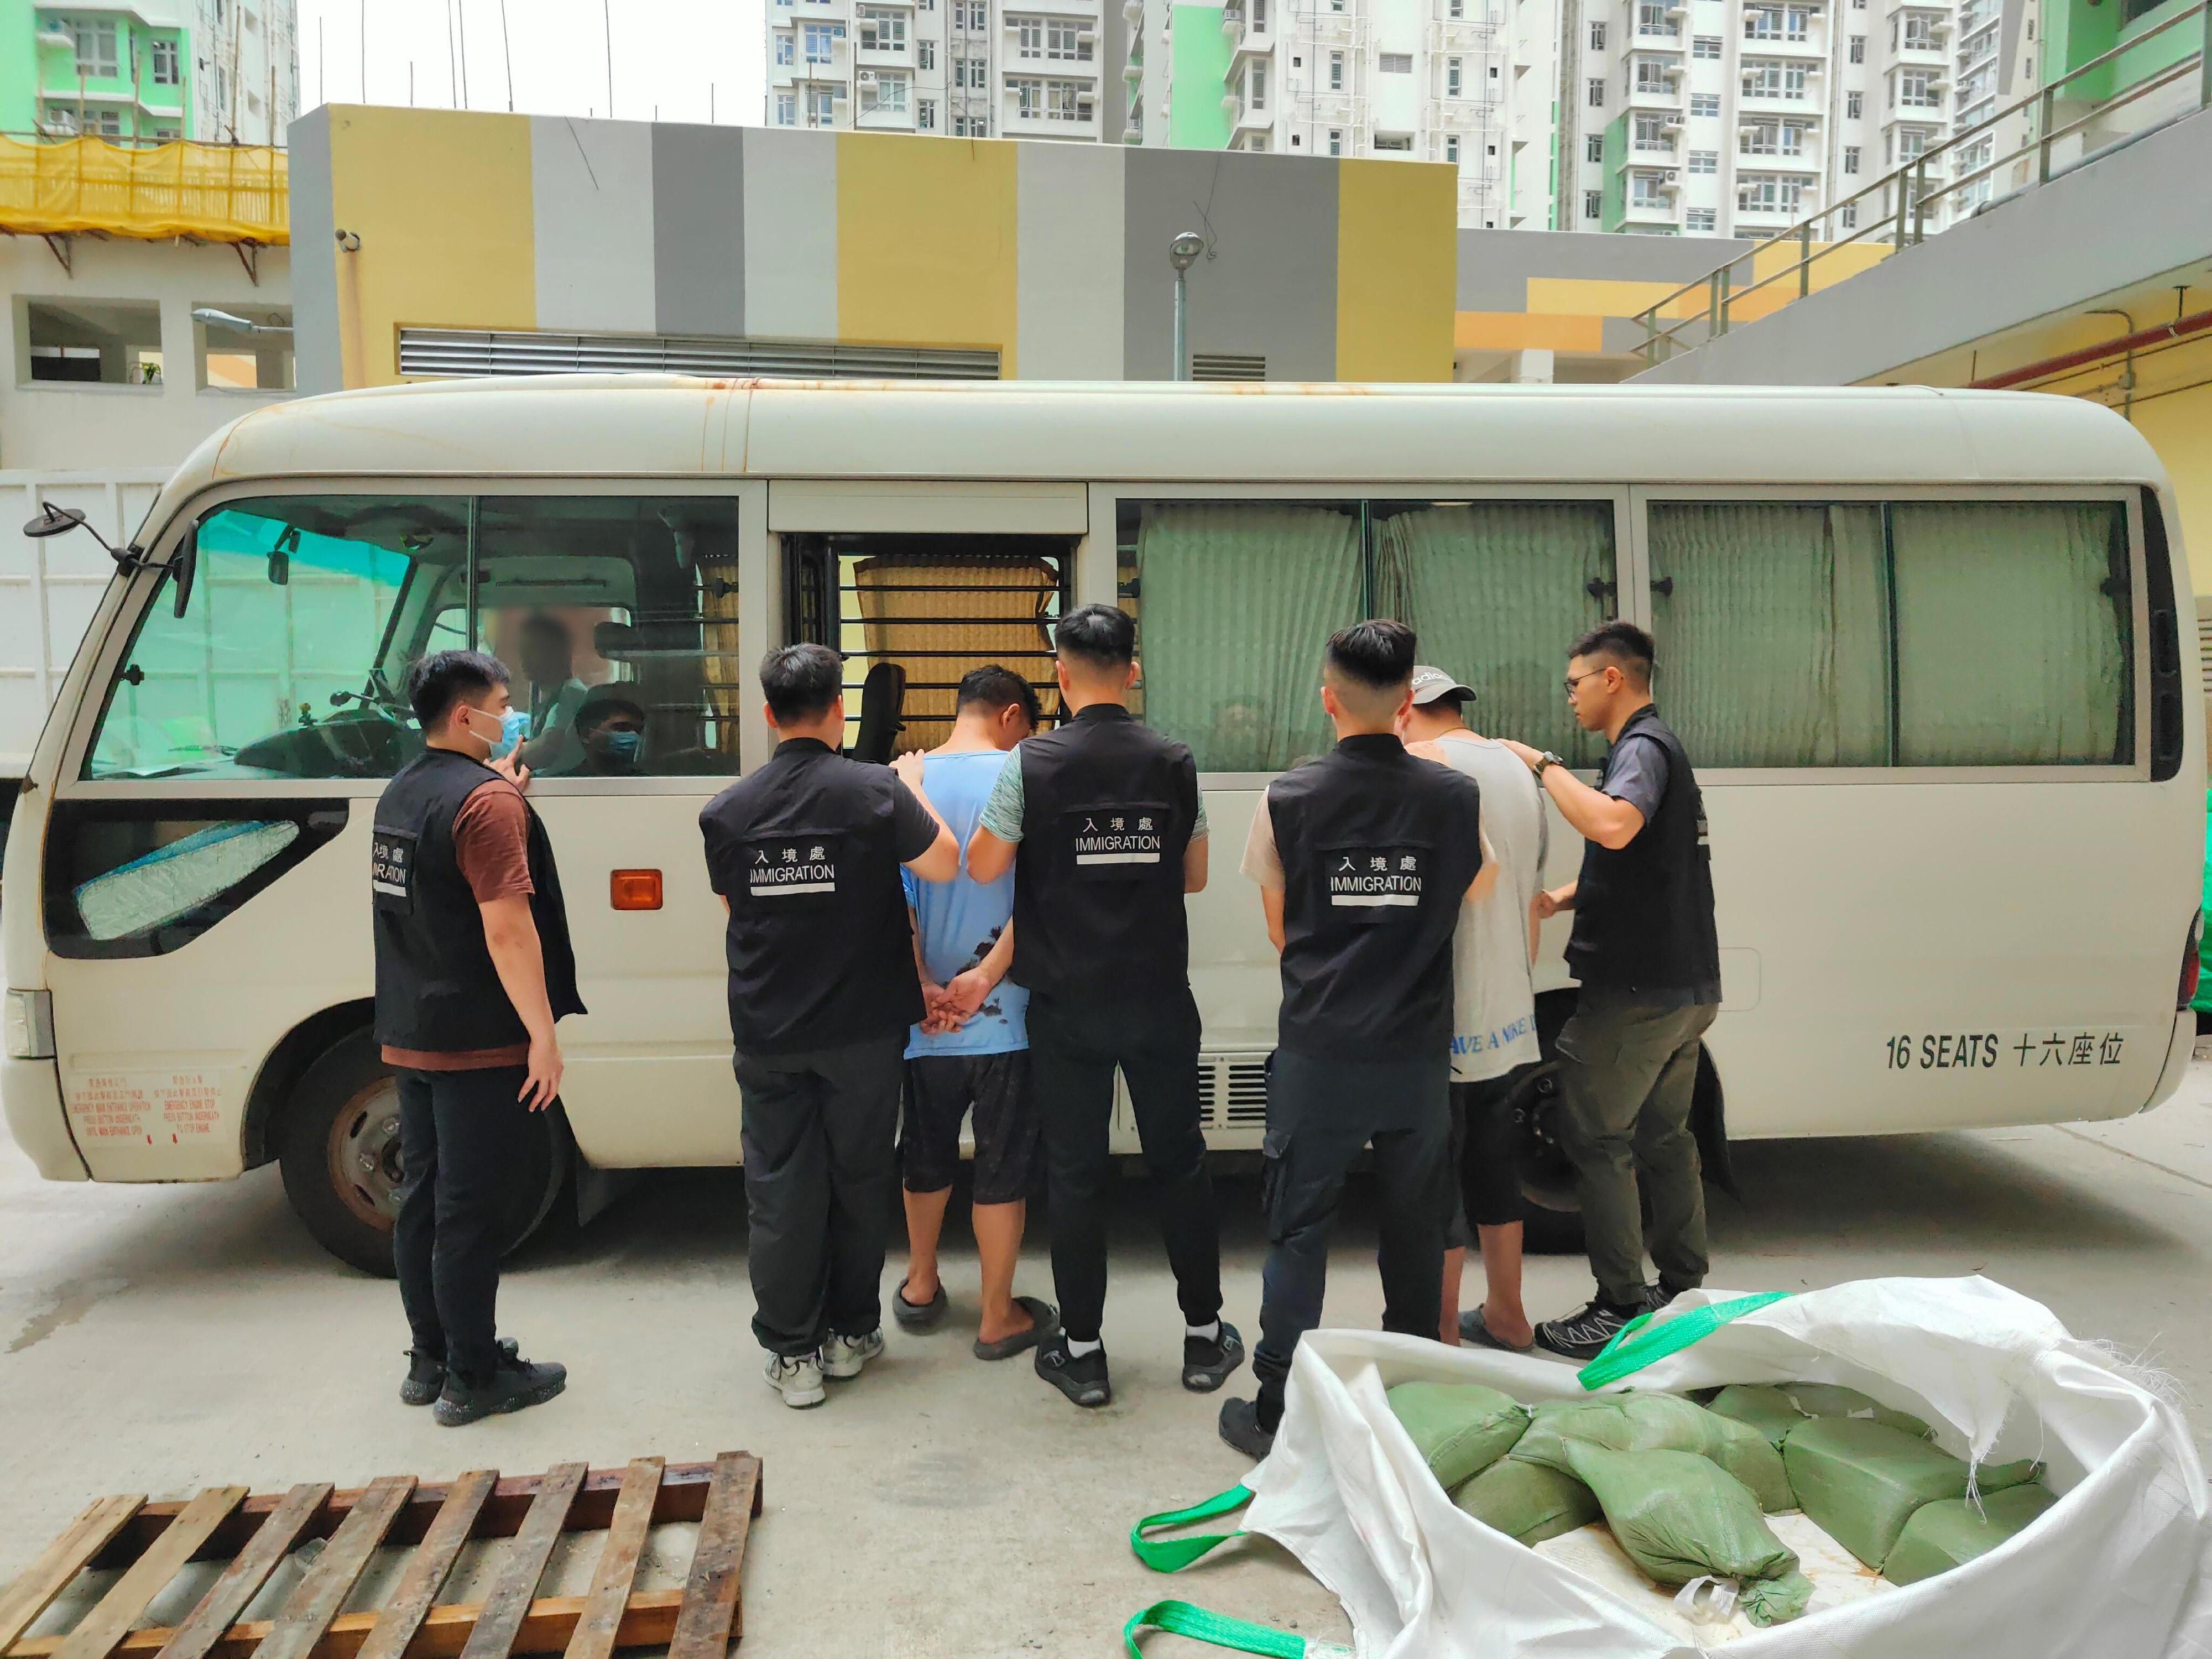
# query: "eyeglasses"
[1574,680]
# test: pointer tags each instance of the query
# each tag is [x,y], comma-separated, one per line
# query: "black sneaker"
[1581,1335]
[1206,1364]
[1240,1427]
[514,1385]
[1084,1381]
[426,1377]
[1658,1296]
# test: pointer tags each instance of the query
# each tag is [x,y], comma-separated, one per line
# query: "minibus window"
[2016,634]
[1773,623]
[278,668]
[617,617]
[1496,590]
[1233,600]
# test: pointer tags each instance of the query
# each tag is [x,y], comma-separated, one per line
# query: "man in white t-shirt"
[1493,1010]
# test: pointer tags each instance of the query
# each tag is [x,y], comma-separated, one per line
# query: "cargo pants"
[1628,1071]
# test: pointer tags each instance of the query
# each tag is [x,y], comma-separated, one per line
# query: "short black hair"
[994,686]
[603,701]
[801,682]
[1623,645]
[1377,653]
[445,677]
[1101,637]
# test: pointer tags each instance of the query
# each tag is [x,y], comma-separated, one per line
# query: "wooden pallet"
[151,1541]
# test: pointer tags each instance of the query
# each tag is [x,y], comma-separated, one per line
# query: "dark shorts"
[940,1091]
[1486,1153]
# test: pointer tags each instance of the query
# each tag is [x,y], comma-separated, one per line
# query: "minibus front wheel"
[338,1146]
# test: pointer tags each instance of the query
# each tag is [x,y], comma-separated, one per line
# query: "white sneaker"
[843,1356]
[798,1380]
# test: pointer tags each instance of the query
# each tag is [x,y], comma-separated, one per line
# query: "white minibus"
[1924,646]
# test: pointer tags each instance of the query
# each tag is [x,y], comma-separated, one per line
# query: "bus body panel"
[1845,1012]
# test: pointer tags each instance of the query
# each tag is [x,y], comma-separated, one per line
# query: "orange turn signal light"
[635,889]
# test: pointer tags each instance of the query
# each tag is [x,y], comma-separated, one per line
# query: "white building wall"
[246,68]
[1462,81]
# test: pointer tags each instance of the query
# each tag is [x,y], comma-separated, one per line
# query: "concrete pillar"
[1532,367]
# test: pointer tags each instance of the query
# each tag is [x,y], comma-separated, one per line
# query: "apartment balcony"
[1646,152]
[883,57]
[1649,41]
[1807,160]
[1814,48]
[1245,117]
[813,11]
[1661,209]
[1806,103]
[1664,94]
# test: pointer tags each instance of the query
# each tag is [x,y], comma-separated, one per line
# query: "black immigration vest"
[436,989]
[820,950]
[1108,806]
[1643,914]
[1377,848]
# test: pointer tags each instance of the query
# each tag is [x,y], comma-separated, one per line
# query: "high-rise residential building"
[963,69]
[1741,116]
[149,70]
[1467,83]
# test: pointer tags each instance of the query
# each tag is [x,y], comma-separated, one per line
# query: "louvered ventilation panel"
[471,353]
[2204,641]
[1233,1090]
[1226,366]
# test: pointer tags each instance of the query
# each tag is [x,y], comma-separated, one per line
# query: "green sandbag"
[1949,1534]
[1678,1515]
[1776,1601]
[1461,1428]
[1860,1480]
[1760,1406]
[1527,1502]
[1831,1400]
[1659,1422]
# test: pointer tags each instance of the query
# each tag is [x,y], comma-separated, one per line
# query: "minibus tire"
[346,1109]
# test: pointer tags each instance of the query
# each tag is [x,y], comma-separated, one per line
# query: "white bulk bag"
[2118,1569]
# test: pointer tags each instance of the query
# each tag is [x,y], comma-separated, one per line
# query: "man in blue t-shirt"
[971,1053]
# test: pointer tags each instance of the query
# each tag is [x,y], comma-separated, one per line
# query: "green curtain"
[1771,622]
[1496,591]
[2013,633]
[1237,600]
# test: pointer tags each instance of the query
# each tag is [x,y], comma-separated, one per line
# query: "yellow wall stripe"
[1396,269]
[442,208]
[925,242]
[1519,330]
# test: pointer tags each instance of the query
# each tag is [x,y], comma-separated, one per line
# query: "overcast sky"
[682,57]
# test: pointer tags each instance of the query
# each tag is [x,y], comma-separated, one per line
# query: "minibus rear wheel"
[338,1146]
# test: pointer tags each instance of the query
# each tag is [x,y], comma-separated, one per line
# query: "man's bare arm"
[511,937]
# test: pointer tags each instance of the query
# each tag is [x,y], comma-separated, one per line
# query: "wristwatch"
[1547,758]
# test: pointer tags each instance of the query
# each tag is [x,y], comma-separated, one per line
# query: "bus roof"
[674,427]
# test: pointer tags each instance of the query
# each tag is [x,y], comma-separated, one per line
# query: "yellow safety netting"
[216,192]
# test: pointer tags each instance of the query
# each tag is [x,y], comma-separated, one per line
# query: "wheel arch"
[287,1063]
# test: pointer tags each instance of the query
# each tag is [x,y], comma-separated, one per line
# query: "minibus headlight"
[2193,963]
[30,1021]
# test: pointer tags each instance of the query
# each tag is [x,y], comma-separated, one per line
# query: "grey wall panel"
[791,233]
[698,229]
[317,361]
[2049,249]
[1068,262]
[1269,287]
[590,188]
[1495,266]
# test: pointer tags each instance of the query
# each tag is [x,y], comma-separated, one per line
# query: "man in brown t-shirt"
[473,966]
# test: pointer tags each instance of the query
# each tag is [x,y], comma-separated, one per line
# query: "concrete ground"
[162,1339]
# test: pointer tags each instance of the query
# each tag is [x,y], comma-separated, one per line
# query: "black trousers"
[459,1132]
[821,1148]
[1319,1114]
[1074,1049]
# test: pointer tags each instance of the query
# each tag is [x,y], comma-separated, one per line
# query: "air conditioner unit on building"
[866,77]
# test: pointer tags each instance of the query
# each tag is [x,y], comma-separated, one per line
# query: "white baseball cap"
[1432,685]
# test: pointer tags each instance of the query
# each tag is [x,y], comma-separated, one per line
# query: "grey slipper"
[1044,1320]
[1472,1329]
[918,1316]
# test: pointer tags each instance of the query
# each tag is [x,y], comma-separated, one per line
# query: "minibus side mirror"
[184,564]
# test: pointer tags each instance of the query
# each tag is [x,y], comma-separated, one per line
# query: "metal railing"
[1902,221]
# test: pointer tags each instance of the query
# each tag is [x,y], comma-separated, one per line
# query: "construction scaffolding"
[237,193]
